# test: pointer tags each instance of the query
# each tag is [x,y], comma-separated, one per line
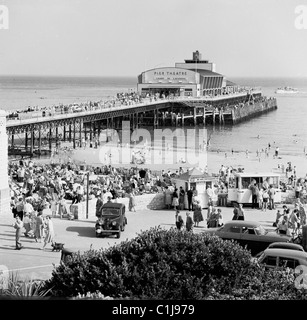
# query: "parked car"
[111,220]
[286,245]
[251,234]
[283,245]
[282,258]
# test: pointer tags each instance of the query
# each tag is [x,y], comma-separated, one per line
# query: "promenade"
[32,262]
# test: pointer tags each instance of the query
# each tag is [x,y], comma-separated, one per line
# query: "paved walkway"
[32,262]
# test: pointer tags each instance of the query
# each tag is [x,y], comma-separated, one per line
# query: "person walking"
[260,199]
[271,193]
[132,201]
[178,220]
[265,197]
[18,225]
[240,212]
[181,198]
[99,204]
[175,201]
[49,238]
[255,190]
[189,222]
[197,215]
[38,232]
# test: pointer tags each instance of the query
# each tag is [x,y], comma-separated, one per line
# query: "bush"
[171,264]
[23,289]
[158,264]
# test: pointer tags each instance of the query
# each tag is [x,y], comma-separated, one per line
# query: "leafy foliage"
[171,264]
[26,288]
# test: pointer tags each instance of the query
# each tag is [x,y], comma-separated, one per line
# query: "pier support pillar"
[91,131]
[69,132]
[74,139]
[64,133]
[194,117]
[50,138]
[12,143]
[80,133]
[26,141]
[32,141]
[39,142]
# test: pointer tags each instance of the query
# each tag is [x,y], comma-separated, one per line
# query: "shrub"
[171,264]
[27,288]
[157,264]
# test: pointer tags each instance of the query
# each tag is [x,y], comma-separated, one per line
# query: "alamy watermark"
[4,17]
[301,19]
[157,147]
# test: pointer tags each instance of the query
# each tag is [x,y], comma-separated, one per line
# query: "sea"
[286,127]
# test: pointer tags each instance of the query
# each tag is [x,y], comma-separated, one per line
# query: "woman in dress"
[175,201]
[197,216]
[49,232]
[132,201]
[38,232]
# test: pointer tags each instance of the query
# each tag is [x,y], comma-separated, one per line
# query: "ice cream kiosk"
[198,180]
[238,189]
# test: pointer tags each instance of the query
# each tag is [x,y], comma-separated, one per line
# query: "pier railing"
[32,117]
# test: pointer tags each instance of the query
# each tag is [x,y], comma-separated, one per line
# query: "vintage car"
[282,258]
[250,234]
[111,220]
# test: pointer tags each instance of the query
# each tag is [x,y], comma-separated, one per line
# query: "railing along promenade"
[52,115]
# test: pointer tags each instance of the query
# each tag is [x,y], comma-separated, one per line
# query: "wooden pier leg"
[69,132]
[91,131]
[64,133]
[26,141]
[50,138]
[80,133]
[32,141]
[194,117]
[12,143]
[74,140]
[39,141]
[204,116]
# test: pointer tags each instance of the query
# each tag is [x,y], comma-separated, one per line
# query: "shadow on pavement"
[88,232]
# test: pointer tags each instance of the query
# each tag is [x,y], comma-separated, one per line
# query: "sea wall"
[252,110]
[151,201]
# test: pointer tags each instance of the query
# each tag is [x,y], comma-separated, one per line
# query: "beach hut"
[196,178]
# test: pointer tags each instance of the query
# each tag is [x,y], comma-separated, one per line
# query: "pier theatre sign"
[167,75]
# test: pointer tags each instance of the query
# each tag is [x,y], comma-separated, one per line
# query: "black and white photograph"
[153,154]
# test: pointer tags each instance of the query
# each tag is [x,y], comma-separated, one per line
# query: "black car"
[250,234]
[111,220]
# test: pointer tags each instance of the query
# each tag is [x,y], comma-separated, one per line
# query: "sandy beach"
[157,160]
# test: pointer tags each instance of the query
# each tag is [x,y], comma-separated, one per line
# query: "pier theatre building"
[193,78]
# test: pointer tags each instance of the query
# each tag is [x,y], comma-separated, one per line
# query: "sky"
[243,38]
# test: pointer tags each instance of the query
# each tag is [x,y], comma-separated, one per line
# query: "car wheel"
[118,235]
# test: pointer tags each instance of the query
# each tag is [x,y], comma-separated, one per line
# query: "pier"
[36,132]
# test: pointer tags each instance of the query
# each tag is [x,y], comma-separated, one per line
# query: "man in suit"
[190,198]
